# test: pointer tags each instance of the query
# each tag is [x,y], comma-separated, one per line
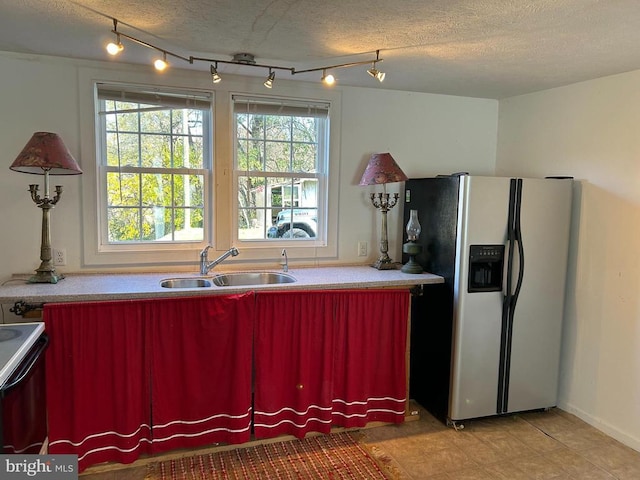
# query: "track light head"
[114,48]
[161,63]
[327,79]
[269,81]
[215,77]
[375,73]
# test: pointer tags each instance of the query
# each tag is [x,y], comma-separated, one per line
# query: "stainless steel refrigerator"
[487,341]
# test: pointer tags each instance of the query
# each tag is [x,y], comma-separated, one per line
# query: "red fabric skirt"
[126,378]
[329,358]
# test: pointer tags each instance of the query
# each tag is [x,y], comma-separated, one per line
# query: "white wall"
[591,130]
[426,134]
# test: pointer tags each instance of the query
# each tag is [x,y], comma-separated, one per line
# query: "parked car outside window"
[304,224]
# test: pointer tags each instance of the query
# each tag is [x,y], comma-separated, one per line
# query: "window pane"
[251,224]
[123,150]
[196,153]
[304,129]
[126,122]
[304,157]
[277,192]
[156,189]
[123,224]
[155,121]
[153,223]
[251,191]
[250,155]
[195,221]
[242,122]
[123,189]
[278,157]
[156,151]
[278,128]
[196,191]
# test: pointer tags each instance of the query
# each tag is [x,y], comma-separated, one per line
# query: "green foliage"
[143,205]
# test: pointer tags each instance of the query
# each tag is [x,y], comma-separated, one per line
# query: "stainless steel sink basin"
[185,283]
[236,279]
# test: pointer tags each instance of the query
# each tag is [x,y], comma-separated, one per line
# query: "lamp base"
[412,249]
[46,276]
[384,264]
[411,266]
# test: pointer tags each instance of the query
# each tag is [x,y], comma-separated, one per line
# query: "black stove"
[15,341]
[23,414]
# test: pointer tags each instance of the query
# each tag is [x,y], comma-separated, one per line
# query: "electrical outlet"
[59,256]
[362,249]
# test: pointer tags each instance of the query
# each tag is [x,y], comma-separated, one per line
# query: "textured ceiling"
[479,48]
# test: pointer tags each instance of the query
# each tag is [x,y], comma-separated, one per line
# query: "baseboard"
[614,432]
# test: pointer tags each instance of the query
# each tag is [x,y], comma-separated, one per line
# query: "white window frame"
[169,98]
[96,253]
[221,200]
[279,105]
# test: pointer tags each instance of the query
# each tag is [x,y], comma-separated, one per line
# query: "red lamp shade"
[46,152]
[382,168]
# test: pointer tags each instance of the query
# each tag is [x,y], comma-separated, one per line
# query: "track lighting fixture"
[374,72]
[161,63]
[245,59]
[327,79]
[117,47]
[215,77]
[269,81]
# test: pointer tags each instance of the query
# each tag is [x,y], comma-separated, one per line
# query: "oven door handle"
[28,364]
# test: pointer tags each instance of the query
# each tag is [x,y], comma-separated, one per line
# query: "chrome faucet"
[205,266]
[285,265]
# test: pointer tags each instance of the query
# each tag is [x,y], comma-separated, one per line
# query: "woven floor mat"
[335,456]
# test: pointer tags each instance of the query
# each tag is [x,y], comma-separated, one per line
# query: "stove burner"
[9,334]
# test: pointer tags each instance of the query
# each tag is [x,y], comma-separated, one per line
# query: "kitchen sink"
[185,283]
[250,278]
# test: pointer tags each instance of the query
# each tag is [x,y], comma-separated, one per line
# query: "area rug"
[326,457]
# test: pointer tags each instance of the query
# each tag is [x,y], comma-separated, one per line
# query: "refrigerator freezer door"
[483,212]
[537,326]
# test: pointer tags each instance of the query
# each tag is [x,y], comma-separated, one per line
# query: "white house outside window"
[154,163]
[281,169]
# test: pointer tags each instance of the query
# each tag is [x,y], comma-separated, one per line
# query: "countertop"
[120,286]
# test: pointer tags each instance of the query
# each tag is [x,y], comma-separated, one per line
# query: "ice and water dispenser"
[486,267]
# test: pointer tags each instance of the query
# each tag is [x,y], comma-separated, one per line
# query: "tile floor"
[536,446]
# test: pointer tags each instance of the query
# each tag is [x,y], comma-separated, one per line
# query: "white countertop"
[89,287]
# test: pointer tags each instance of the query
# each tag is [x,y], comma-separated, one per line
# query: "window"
[155,151]
[281,151]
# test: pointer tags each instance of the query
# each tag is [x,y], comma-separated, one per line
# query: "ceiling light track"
[244,59]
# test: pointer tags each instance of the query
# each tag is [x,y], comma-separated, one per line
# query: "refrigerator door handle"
[518,239]
[507,305]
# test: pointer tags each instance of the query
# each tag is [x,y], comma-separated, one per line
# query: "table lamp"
[45,154]
[383,169]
